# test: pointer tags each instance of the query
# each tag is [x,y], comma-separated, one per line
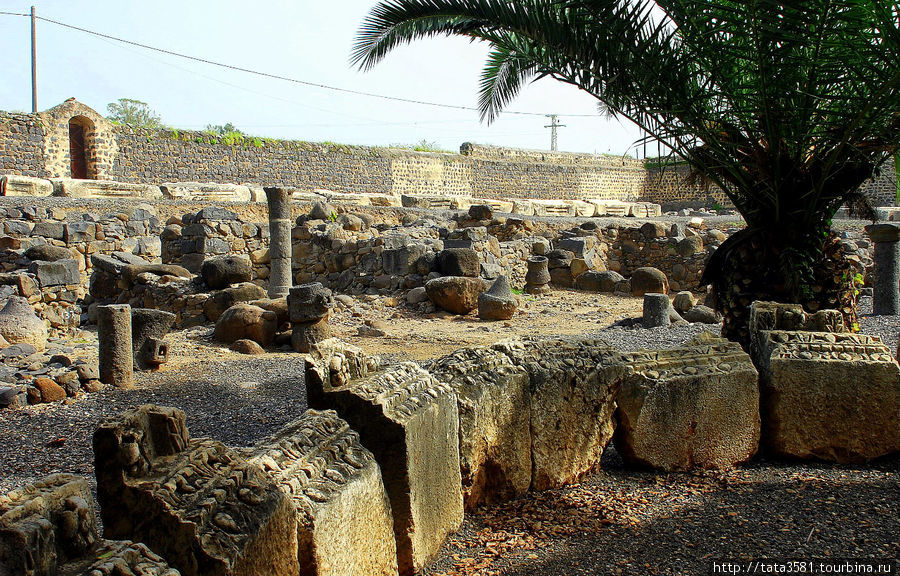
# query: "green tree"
[220,130]
[787,106]
[133,113]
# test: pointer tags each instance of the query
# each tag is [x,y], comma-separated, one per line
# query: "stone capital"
[883,232]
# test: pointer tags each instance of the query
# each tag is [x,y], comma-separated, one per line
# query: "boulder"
[247,347]
[456,294]
[592,281]
[648,279]
[277,305]
[459,262]
[322,211]
[702,314]
[20,325]
[691,407]
[221,300]
[481,212]
[223,271]
[498,303]
[47,253]
[562,277]
[689,246]
[132,271]
[246,321]
[683,301]
[50,390]
[654,230]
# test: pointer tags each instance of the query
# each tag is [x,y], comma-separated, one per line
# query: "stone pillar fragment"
[280,279]
[410,422]
[656,310]
[195,502]
[116,358]
[886,296]
[148,328]
[309,306]
[538,276]
[344,522]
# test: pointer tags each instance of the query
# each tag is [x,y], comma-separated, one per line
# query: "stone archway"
[81,156]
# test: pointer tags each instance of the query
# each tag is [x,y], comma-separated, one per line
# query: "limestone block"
[691,407]
[572,406]
[344,522]
[410,422]
[494,403]
[45,524]
[830,396]
[331,365]
[205,192]
[118,558]
[456,294]
[72,188]
[13,185]
[194,502]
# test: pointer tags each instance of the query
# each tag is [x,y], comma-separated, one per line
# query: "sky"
[307,40]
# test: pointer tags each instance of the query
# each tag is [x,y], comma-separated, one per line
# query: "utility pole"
[554,124]
[33,65]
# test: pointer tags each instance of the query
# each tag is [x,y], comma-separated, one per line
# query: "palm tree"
[787,106]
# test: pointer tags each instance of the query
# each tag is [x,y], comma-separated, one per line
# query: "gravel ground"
[616,522]
[238,401]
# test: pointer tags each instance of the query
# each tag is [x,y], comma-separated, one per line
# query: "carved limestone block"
[828,396]
[120,558]
[410,422]
[331,365]
[46,524]
[344,522]
[691,407]
[494,403]
[194,502]
[572,406]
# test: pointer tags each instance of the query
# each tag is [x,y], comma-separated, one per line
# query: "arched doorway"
[81,133]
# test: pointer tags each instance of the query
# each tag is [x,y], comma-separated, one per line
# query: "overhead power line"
[276,76]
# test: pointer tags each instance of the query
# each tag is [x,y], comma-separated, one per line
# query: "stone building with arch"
[78,142]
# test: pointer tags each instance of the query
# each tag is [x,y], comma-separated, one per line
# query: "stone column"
[886,298]
[656,310]
[537,277]
[116,361]
[280,279]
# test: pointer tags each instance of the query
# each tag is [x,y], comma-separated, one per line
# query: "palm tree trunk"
[750,269]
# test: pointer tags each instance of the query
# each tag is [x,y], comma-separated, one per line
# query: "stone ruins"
[380,469]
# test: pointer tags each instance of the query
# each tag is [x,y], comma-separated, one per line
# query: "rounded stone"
[481,212]
[593,281]
[223,271]
[456,294]
[244,321]
[221,300]
[648,279]
[48,253]
[683,301]
[20,325]
[246,346]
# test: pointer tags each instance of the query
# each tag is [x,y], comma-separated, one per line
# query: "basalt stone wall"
[22,145]
[38,145]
